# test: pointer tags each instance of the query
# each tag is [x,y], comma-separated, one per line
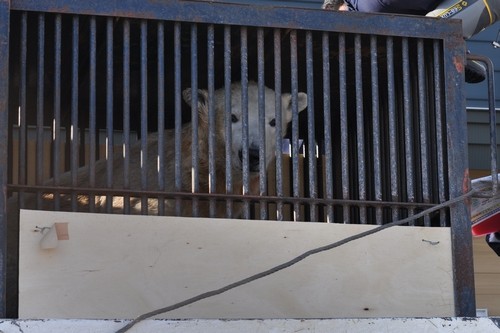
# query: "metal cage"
[83,86]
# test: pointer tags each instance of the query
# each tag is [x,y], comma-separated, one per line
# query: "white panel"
[116,266]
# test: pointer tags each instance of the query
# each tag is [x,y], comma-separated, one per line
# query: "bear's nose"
[253,159]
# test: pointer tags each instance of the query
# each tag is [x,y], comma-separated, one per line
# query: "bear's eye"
[272,123]
[234,119]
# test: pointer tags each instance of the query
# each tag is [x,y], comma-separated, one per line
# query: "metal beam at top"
[254,15]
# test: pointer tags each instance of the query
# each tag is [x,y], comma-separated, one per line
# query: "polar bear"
[136,177]
[237,135]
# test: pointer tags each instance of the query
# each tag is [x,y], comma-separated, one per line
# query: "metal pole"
[4,88]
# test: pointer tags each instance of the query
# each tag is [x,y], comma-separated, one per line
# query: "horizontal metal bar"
[216,196]
[255,15]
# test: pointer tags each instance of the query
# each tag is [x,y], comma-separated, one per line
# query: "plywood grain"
[116,266]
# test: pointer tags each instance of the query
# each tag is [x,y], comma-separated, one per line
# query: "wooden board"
[116,266]
[487,277]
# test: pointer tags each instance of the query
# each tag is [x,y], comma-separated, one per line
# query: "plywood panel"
[488,284]
[116,266]
[486,274]
[487,277]
[490,302]
[485,259]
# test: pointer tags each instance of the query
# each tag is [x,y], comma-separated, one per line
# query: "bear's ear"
[302,101]
[202,97]
[287,104]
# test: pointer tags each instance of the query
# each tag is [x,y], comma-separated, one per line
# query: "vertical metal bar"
[227,118]
[424,125]
[92,110]
[458,176]
[40,106]
[377,172]
[328,162]
[109,111]
[493,117]
[178,115]
[408,126]
[194,118]
[4,93]
[438,109]
[262,123]
[126,113]
[212,186]
[74,110]
[344,144]
[21,117]
[144,114]
[244,116]
[311,144]
[295,124]
[56,130]
[279,123]
[493,123]
[393,151]
[360,128]
[161,114]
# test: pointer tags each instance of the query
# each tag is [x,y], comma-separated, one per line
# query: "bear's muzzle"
[253,159]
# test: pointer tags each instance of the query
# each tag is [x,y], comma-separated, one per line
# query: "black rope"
[293,262]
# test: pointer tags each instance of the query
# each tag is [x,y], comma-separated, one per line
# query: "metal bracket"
[496,42]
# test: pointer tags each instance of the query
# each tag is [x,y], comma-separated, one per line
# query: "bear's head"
[251,119]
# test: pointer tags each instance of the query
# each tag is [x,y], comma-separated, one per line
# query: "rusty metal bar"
[255,15]
[4,94]
[227,119]
[56,125]
[423,126]
[376,151]
[92,110]
[194,117]
[244,116]
[327,126]
[21,112]
[493,135]
[262,123]
[126,114]
[295,124]
[408,126]
[279,121]
[74,107]
[211,117]
[40,105]
[438,110]
[144,113]
[393,152]
[161,113]
[109,111]
[360,129]
[344,139]
[217,196]
[311,145]
[463,273]
[178,114]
